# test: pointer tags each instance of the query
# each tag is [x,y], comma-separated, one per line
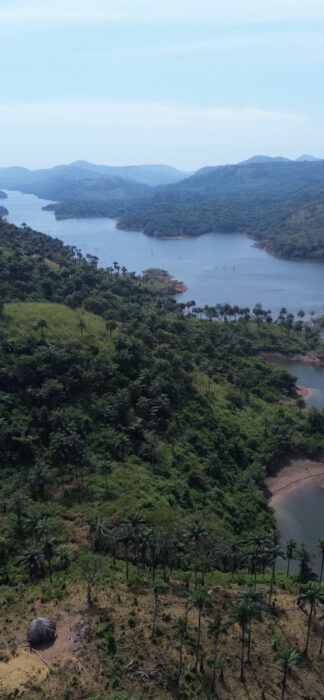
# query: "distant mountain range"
[278,201]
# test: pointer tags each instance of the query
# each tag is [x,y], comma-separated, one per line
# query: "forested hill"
[96,365]
[135,435]
[278,202]
[281,204]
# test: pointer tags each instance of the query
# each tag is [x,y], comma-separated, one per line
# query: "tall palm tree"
[194,534]
[157,587]
[287,659]
[273,553]
[17,503]
[198,600]
[255,601]
[135,522]
[180,628]
[242,615]
[311,594]
[48,543]
[291,545]
[320,545]
[126,537]
[4,551]
[81,324]
[215,628]
[257,542]
[305,573]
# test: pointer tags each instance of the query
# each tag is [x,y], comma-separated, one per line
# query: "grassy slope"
[62,322]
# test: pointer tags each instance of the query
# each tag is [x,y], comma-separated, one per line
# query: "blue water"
[215,267]
[309,376]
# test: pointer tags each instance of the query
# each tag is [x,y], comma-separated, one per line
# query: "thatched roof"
[41,631]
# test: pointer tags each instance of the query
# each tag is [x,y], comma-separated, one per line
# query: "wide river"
[216,268]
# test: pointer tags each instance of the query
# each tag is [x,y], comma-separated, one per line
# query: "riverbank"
[310,358]
[303,392]
[293,475]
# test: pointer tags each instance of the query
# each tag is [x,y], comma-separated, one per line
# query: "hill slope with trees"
[135,436]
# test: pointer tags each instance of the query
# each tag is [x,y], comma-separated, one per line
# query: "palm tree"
[4,551]
[157,588]
[291,545]
[134,521]
[63,554]
[320,545]
[126,536]
[32,559]
[273,553]
[39,478]
[305,573]
[242,615]
[81,324]
[105,469]
[255,602]
[311,594]
[17,503]
[287,659]
[31,523]
[41,324]
[214,630]
[180,628]
[91,565]
[48,543]
[258,542]
[198,600]
[194,534]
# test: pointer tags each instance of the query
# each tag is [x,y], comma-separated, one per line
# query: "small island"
[162,282]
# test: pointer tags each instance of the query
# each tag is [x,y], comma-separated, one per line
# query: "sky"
[185,82]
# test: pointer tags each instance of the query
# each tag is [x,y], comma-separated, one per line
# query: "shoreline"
[292,476]
[311,358]
[304,392]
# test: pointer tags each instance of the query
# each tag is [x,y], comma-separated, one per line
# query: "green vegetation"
[280,204]
[135,436]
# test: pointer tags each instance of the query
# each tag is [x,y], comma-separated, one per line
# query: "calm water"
[215,267]
[300,515]
[300,511]
[309,376]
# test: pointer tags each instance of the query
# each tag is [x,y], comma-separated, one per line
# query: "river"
[215,267]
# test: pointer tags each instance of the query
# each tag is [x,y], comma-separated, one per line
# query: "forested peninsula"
[279,204]
[136,433]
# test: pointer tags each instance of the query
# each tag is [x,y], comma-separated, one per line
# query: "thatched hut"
[41,631]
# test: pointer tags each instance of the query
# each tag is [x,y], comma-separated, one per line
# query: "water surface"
[215,267]
[309,376]
[300,515]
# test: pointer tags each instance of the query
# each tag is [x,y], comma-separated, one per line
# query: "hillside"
[278,203]
[135,437]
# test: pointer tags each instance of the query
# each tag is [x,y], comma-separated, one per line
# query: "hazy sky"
[185,82]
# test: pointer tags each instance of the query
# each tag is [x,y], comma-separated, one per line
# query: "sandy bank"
[293,475]
[303,392]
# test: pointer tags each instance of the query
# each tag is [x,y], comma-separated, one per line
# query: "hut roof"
[41,631]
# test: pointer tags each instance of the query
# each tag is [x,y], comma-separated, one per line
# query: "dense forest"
[278,203]
[135,436]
